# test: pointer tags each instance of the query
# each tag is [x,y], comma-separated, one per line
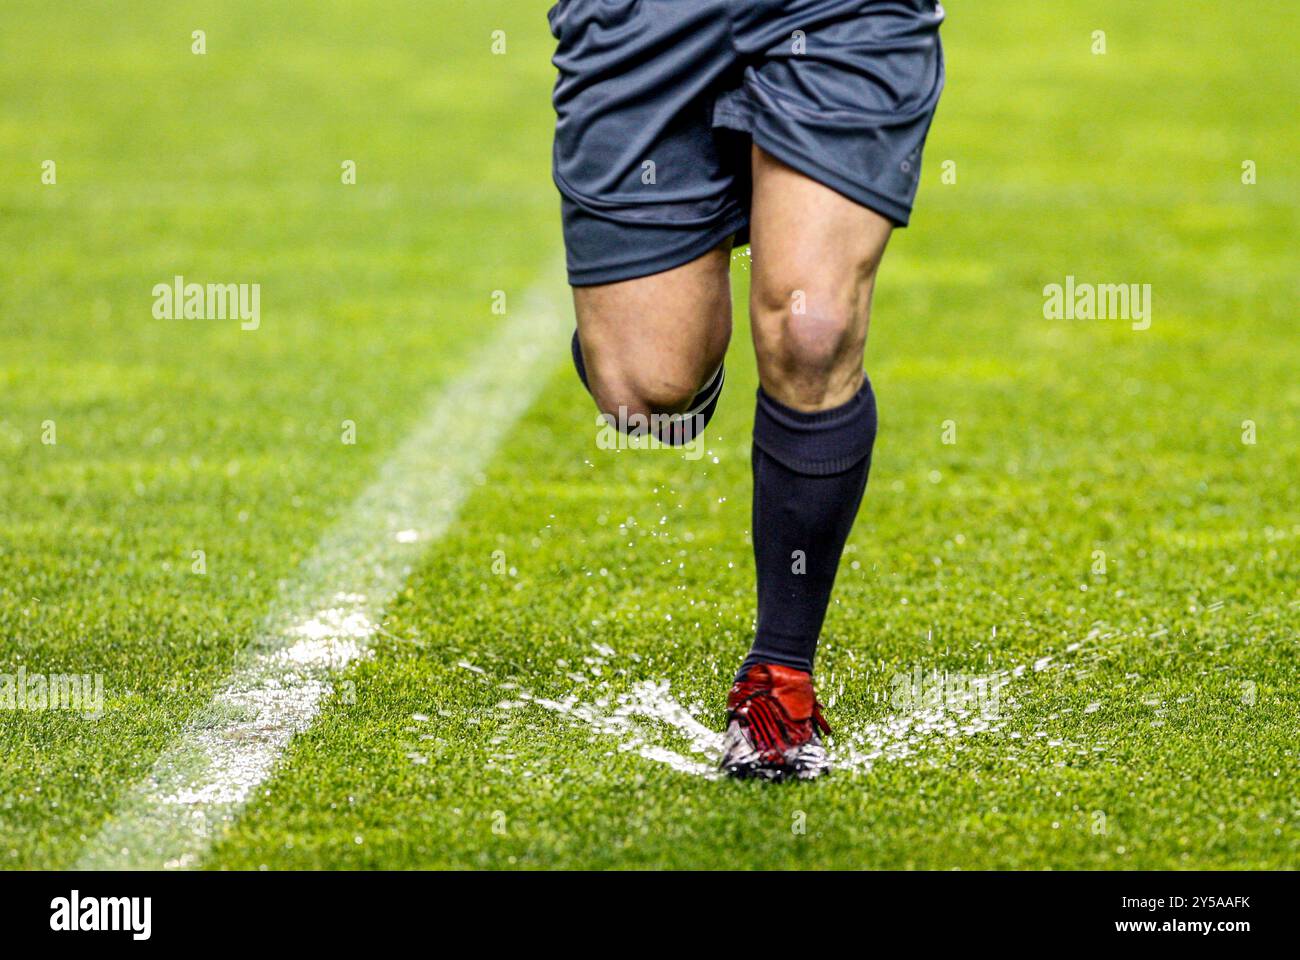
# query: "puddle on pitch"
[650,720]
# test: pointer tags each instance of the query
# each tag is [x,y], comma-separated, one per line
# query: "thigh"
[658,337]
[847,97]
[815,254]
[647,184]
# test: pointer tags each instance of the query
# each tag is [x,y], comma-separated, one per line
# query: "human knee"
[622,391]
[625,382]
[666,404]
[810,343]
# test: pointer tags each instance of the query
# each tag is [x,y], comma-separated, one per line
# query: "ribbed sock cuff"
[820,443]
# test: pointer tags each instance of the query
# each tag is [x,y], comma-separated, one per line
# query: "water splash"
[650,720]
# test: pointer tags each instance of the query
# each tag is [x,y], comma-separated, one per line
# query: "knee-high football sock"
[681,428]
[810,470]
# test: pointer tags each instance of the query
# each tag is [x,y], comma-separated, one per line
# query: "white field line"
[326,617]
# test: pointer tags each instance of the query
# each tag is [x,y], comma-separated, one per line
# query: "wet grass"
[1098,508]
[180,436]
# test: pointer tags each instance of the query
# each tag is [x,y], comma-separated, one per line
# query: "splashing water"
[638,719]
[649,720]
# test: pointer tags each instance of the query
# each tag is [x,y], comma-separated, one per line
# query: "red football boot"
[773,720]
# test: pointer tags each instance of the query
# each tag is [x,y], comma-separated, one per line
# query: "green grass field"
[1147,714]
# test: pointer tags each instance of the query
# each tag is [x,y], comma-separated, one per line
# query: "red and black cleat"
[773,721]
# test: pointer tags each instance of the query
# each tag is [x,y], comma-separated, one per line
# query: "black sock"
[682,428]
[578,363]
[810,470]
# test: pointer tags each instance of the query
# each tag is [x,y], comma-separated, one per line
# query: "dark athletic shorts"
[657,102]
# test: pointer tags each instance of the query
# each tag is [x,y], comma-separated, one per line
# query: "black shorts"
[657,102]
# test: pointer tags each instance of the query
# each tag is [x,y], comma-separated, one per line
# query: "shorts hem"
[649,266]
[887,207]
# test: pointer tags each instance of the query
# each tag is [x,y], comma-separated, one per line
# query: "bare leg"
[815,259]
[649,344]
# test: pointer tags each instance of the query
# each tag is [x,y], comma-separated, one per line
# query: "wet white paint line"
[326,618]
[634,719]
[649,720]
